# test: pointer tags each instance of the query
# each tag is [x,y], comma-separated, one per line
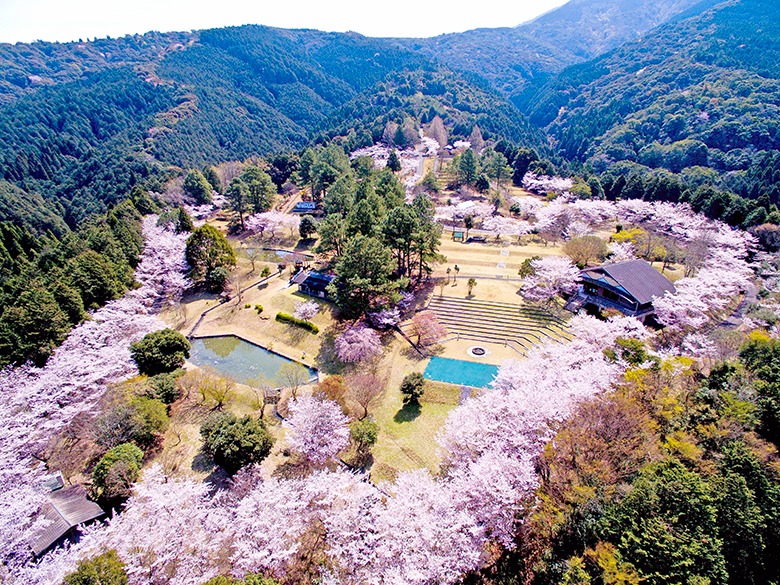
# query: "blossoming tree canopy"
[553,275]
[357,344]
[40,402]
[306,311]
[317,429]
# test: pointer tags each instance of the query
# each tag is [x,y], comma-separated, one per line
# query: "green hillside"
[103,116]
[515,60]
[26,67]
[702,92]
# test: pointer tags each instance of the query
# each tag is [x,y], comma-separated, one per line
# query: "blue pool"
[242,361]
[460,372]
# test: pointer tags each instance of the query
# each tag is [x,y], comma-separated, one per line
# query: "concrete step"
[471,304]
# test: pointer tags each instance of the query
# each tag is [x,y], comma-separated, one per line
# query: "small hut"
[67,508]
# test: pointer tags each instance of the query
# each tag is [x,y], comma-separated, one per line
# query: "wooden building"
[314,284]
[628,287]
[67,508]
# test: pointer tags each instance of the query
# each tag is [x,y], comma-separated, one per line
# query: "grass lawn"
[407,434]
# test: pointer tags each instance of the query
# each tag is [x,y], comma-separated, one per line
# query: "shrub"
[105,569]
[116,471]
[137,422]
[164,387]
[150,417]
[160,352]
[364,434]
[258,309]
[412,387]
[235,442]
[287,318]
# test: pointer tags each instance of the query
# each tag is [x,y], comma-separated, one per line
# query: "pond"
[242,361]
[460,372]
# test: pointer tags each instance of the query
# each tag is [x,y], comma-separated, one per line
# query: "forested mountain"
[513,59]
[460,99]
[80,143]
[698,96]
[84,122]
[24,67]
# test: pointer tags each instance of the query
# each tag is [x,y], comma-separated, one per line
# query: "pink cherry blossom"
[40,402]
[306,311]
[553,275]
[317,429]
[357,344]
[543,184]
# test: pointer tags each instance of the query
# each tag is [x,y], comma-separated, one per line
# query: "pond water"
[460,372]
[242,361]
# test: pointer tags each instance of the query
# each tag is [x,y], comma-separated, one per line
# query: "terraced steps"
[496,322]
[494,305]
[501,310]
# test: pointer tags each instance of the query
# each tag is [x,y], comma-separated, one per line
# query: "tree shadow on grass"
[203,463]
[409,412]
[412,354]
[327,360]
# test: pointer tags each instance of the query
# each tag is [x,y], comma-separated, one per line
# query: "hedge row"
[287,318]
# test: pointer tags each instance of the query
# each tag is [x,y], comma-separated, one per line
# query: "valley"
[281,307]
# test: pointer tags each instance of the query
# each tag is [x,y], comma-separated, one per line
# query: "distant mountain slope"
[101,117]
[511,58]
[703,91]
[26,67]
[461,100]
[257,89]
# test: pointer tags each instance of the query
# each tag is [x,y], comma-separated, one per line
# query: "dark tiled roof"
[67,508]
[637,277]
[300,277]
[315,279]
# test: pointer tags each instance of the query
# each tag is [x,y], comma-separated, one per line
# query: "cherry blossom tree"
[358,344]
[428,328]
[500,225]
[525,207]
[601,334]
[171,531]
[621,251]
[306,311]
[273,519]
[553,275]
[317,429]
[270,221]
[543,184]
[593,212]
[385,318]
[425,537]
[553,220]
[38,403]
[699,345]
[491,488]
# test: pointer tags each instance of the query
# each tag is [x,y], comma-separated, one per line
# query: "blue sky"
[68,20]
